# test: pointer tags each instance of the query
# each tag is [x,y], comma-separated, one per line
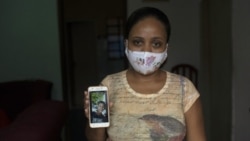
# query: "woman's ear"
[126,43]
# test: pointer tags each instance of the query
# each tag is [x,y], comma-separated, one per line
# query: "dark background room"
[68,45]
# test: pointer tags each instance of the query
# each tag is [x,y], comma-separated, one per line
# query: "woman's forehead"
[148,26]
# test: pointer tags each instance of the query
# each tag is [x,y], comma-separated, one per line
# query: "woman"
[148,103]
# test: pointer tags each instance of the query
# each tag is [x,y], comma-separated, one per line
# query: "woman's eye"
[137,42]
[157,44]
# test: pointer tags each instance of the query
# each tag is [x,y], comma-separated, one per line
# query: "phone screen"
[99,114]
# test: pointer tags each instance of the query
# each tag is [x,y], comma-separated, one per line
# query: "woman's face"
[148,35]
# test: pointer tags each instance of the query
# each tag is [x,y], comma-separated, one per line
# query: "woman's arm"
[95,134]
[92,134]
[195,123]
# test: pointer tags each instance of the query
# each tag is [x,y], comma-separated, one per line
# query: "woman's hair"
[143,13]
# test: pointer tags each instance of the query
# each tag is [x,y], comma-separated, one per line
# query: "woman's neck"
[146,84]
[141,77]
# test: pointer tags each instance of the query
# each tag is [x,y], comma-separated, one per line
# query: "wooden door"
[82,59]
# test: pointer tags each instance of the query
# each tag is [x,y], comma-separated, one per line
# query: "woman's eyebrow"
[136,37]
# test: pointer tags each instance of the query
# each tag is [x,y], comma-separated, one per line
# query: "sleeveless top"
[151,117]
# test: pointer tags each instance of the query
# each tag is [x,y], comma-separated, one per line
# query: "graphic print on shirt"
[164,128]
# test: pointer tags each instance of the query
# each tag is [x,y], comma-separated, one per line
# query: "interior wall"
[29,42]
[205,71]
[241,69]
[220,47]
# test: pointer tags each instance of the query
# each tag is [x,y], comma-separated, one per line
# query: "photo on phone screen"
[99,114]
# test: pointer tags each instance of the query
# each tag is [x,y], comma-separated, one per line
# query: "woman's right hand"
[93,133]
[86,104]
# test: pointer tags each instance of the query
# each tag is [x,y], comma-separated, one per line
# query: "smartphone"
[98,107]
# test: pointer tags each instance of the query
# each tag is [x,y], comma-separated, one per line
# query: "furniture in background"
[29,112]
[188,71]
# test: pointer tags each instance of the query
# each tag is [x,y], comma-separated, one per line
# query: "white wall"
[184,15]
[29,42]
[241,70]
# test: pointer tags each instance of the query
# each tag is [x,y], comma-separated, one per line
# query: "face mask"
[145,62]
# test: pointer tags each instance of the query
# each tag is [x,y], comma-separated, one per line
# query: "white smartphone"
[98,107]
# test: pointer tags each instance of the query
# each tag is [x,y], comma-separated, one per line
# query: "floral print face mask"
[145,62]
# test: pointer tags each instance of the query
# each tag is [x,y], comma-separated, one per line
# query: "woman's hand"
[86,104]
[93,134]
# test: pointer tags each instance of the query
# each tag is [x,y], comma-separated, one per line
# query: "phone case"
[98,107]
